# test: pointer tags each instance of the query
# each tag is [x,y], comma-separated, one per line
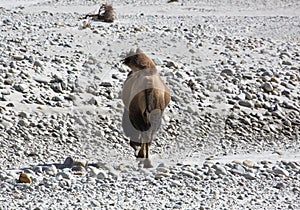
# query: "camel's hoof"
[147,163]
[144,162]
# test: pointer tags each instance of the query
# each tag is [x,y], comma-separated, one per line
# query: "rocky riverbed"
[229,138]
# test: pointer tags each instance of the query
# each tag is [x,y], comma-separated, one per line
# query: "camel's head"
[107,13]
[106,6]
[138,60]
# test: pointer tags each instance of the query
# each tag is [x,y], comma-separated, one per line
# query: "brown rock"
[276,80]
[249,163]
[258,105]
[18,57]
[24,178]
[279,152]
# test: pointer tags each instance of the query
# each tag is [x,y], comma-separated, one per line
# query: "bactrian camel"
[145,97]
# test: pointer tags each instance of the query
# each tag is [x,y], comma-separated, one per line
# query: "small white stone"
[280,171]
[37,63]
[162,170]
[175,183]
[24,88]
[220,170]
[51,170]
[250,176]
[187,173]
[102,175]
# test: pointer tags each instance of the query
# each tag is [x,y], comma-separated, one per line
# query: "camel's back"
[147,81]
[144,92]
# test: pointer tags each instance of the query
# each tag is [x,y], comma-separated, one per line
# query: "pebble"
[248,163]
[78,170]
[93,101]
[246,103]
[24,178]
[38,169]
[9,82]
[250,176]
[287,63]
[93,171]
[95,203]
[57,87]
[18,57]
[220,170]
[187,173]
[279,152]
[171,64]
[280,171]
[162,170]
[268,87]
[81,163]
[69,162]
[24,88]
[283,55]
[65,175]
[161,175]
[238,169]
[248,76]
[50,170]
[102,175]
[106,84]
[37,63]
[175,183]
[280,186]
[228,72]
[41,79]
[24,122]
[276,80]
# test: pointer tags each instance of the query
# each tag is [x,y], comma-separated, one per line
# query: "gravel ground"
[229,138]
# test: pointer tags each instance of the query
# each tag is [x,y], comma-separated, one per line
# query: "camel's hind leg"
[136,146]
[147,161]
[144,153]
[148,136]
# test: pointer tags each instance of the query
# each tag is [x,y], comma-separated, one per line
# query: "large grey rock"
[238,169]
[23,88]
[246,103]
[228,72]
[219,169]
